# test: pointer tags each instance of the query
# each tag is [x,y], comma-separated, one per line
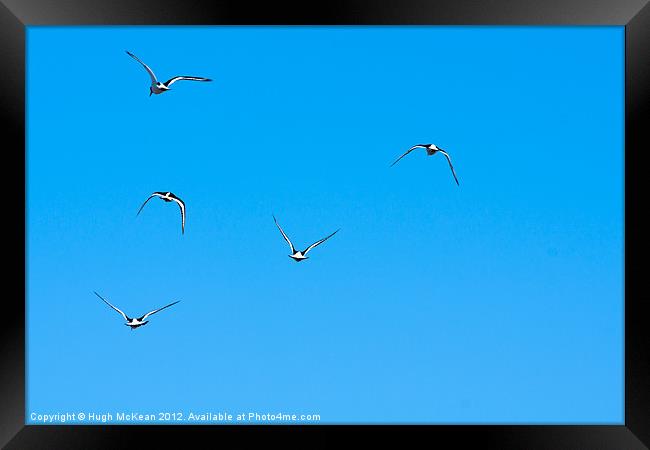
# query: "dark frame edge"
[333,12]
[637,343]
[12,116]
[632,435]
[503,437]
[12,343]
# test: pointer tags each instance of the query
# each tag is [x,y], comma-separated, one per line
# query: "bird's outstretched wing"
[293,250]
[453,172]
[183,77]
[409,151]
[155,194]
[181,205]
[151,74]
[155,311]
[317,243]
[115,308]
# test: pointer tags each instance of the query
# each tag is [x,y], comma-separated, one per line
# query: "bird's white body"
[158,88]
[298,256]
[135,322]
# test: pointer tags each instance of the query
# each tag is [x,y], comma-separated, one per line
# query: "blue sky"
[496,301]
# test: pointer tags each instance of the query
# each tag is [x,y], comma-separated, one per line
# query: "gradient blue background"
[499,301]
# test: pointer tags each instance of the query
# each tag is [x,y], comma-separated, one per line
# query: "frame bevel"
[16,15]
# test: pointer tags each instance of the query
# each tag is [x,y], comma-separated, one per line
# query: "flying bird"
[298,255]
[156,86]
[168,197]
[135,322]
[431,149]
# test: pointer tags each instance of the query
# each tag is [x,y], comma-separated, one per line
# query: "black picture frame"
[15,15]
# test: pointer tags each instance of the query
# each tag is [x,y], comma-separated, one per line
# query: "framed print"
[354,217]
